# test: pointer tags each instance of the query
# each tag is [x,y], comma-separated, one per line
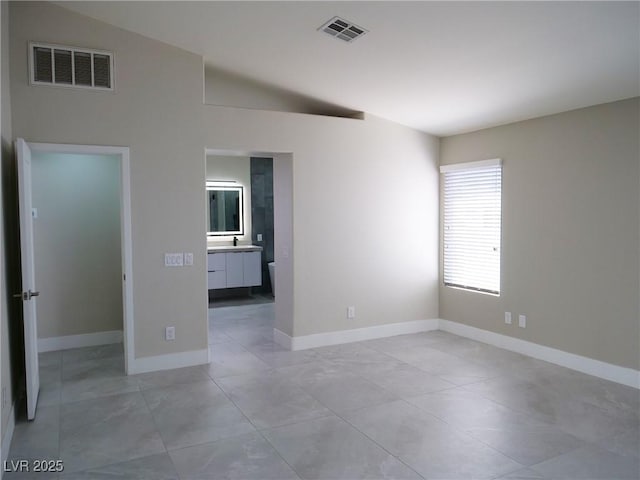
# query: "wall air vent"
[343,29]
[70,67]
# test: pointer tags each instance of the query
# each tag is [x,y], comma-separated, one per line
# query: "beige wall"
[365,192]
[365,201]
[78,261]
[570,243]
[156,110]
[283,241]
[365,213]
[235,169]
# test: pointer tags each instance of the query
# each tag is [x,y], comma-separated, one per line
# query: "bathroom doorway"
[253,311]
[240,219]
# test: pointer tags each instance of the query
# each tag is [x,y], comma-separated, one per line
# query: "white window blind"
[472,225]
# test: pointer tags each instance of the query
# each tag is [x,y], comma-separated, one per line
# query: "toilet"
[272,276]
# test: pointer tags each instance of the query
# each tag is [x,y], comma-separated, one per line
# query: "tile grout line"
[261,431]
[454,428]
[379,445]
[139,391]
[256,428]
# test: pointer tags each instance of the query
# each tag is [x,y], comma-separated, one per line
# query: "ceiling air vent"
[343,29]
[70,67]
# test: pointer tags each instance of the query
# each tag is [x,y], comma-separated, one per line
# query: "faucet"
[235,241]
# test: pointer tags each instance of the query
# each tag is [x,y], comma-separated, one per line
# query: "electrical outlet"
[188,259]
[351,312]
[170,333]
[507,318]
[522,321]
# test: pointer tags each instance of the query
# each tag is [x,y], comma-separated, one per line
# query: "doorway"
[268,218]
[250,178]
[81,250]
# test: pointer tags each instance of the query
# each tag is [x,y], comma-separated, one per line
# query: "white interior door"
[29,292]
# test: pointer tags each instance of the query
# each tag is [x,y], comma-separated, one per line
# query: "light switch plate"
[259,237]
[507,318]
[173,259]
[188,259]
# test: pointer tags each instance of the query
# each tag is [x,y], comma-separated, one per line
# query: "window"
[472,225]
[70,67]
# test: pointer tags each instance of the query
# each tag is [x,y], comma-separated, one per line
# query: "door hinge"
[26,295]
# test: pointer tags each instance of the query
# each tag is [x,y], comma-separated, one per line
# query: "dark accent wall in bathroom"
[262,214]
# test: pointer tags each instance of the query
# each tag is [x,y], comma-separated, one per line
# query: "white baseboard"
[608,371]
[355,335]
[282,339]
[8,436]
[169,361]
[77,341]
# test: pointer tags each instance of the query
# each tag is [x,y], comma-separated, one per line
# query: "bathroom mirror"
[224,209]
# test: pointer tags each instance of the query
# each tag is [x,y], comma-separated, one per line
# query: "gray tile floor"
[429,405]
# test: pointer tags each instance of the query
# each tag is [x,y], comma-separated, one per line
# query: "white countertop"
[231,248]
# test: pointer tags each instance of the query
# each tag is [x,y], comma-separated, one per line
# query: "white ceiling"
[440,67]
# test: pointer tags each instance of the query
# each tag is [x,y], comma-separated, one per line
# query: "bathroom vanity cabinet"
[233,267]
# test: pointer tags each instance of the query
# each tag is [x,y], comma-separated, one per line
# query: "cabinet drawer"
[216,262]
[216,280]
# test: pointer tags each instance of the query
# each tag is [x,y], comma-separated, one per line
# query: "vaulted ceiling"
[440,67]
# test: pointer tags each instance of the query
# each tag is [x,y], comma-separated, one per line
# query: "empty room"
[320,240]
